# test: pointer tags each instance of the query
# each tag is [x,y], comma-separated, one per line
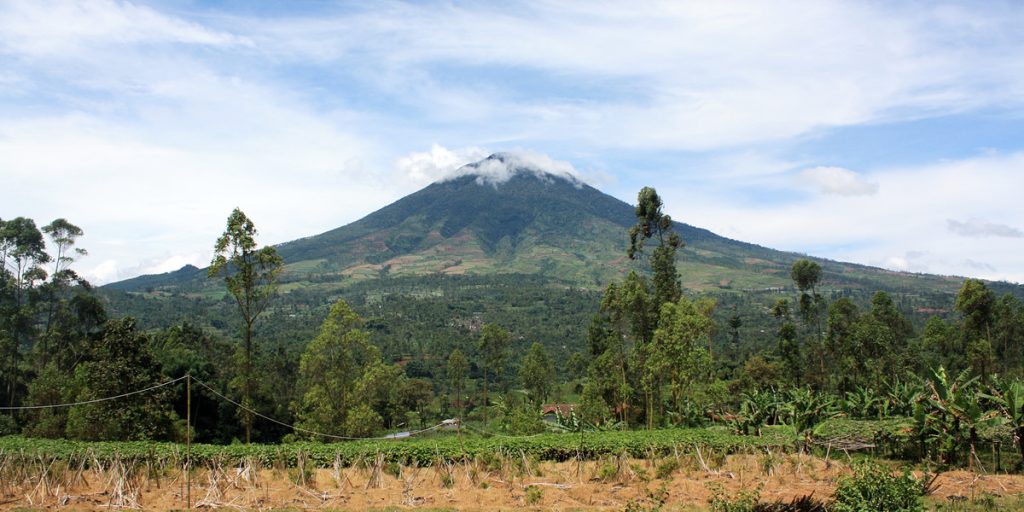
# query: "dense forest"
[402,353]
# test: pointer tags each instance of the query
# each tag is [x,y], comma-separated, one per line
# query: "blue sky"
[885,133]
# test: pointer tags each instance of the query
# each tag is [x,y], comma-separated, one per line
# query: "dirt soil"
[611,484]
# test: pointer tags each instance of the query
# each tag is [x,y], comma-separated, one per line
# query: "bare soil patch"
[611,484]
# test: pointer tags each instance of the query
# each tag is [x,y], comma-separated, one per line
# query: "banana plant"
[862,403]
[902,395]
[1009,398]
[757,409]
[805,408]
[952,413]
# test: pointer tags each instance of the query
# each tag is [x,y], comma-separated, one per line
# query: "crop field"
[416,451]
[671,469]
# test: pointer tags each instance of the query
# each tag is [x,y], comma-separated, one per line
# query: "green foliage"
[250,275]
[651,222]
[666,468]
[329,370]
[872,488]
[534,494]
[120,362]
[493,347]
[458,367]
[537,373]
[949,418]
[678,353]
[744,501]
[423,451]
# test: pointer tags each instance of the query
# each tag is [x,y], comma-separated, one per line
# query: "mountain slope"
[524,249]
[528,222]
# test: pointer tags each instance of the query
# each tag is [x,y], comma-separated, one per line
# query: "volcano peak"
[499,168]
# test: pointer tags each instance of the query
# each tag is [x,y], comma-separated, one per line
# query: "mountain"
[506,243]
[522,220]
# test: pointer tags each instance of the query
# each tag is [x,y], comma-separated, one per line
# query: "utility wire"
[130,393]
[307,431]
[221,396]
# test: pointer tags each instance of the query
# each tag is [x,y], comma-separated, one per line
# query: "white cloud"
[838,181]
[678,75]
[146,123]
[442,164]
[503,166]
[49,27]
[980,228]
[110,270]
[904,226]
[424,167]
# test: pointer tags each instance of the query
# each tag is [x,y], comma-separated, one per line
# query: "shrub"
[744,501]
[533,495]
[872,488]
[665,469]
[608,470]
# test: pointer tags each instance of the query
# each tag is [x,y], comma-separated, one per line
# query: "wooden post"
[188,441]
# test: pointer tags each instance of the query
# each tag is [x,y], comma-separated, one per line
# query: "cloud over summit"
[442,164]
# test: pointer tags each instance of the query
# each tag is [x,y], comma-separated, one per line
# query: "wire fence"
[97,400]
[398,435]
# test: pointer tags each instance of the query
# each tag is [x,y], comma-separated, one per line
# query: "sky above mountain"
[883,133]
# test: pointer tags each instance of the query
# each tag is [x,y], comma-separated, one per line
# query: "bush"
[534,495]
[872,488]
[665,469]
[8,427]
[744,501]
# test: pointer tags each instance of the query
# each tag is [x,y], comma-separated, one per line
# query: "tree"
[22,256]
[843,315]
[977,303]
[735,322]
[63,234]
[251,278]
[684,331]
[493,352]
[788,347]
[537,373]
[329,369]
[942,345]
[653,223]
[458,367]
[120,362]
[1008,332]
[806,274]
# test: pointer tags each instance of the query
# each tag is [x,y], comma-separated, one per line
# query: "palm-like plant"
[862,403]
[805,408]
[952,413]
[902,395]
[1009,398]
[757,409]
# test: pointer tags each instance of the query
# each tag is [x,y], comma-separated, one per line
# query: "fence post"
[188,441]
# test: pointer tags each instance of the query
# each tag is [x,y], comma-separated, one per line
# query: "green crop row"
[420,451]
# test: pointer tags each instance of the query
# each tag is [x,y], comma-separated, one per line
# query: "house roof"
[563,409]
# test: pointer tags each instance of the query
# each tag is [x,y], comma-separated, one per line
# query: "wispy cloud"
[51,28]
[982,228]
[167,115]
[904,226]
[838,181]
